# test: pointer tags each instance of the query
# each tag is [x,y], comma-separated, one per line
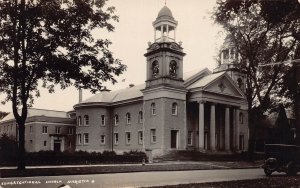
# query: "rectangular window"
[103,120]
[57,130]
[85,138]
[141,117]
[116,120]
[45,130]
[30,129]
[242,147]
[190,138]
[70,130]
[116,138]
[79,138]
[153,135]
[79,121]
[140,135]
[102,139]
[128,138]
[45,143]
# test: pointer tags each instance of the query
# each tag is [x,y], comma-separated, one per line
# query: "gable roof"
[38,112]
[192,79]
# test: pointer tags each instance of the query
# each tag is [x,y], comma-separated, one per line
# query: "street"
[144,179]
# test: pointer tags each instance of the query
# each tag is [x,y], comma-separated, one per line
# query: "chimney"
[80,95]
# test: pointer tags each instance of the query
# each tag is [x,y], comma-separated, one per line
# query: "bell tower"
[165,55]
[164,95]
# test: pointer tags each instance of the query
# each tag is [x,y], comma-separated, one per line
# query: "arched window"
[141,117]
[241,117]
[86,120]
[79,123]
[240,83]
[174,108]
[173,68]
[116,119]
[153,108]
[155,68]
[128,118]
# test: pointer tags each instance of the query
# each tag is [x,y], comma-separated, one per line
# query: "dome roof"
[165,12]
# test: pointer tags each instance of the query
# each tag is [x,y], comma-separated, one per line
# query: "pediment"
[224,85]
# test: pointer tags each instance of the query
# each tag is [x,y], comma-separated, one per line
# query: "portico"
[215,104]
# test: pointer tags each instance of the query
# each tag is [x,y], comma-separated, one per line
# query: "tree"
[264,32]
[50,43]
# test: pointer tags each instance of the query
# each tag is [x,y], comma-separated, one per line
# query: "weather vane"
[166,2]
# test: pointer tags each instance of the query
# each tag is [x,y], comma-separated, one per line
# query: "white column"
[52,143]
[201,125]
[162,32]
[227,129]
[212,127]
[62,147]
[167,31]
[237,130]
[234,129]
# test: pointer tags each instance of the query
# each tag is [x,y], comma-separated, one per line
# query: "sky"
[200,38]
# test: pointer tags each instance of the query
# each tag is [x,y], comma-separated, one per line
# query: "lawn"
[273,181]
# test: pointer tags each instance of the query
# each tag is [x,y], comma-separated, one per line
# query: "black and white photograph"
[149,93]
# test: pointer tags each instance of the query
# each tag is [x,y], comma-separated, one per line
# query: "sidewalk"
[124,168]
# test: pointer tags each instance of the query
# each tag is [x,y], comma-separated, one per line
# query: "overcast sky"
[200,36]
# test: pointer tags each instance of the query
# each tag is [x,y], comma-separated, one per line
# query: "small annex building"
[44,130]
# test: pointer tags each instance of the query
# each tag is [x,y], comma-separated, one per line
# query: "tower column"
[201,125]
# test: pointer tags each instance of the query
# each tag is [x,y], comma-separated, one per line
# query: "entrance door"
[57,146]
[174,138]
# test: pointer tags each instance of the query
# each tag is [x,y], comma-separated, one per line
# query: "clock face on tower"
[155,68]
[173,68]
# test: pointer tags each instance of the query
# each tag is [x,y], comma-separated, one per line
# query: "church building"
[197,110]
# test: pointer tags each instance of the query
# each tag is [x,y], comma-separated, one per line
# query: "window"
[116,138]
[30,129]
[128,138]
[116,119]
[241,118]
[70,130]
[174,108]
[85,138]
[141,117]
[128,118]
[190,138]
[153,109]
[45,143]
[153,135]
[57,130]
[102,120]
[79,123]
[86,120]
[140,135]
[102,139]
[79,138]
[30,141]
[45,130]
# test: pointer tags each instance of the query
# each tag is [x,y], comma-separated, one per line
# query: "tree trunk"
[297,103]
[21,146]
